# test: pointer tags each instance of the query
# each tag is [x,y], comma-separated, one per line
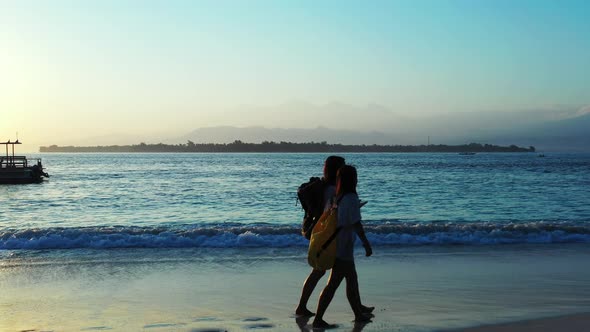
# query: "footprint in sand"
[206,319]
[97,328]
[254,319]
[160,325]
[257,326]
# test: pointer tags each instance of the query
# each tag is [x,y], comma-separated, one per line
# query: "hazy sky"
[71,69]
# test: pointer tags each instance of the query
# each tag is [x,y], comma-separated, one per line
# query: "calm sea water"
[249,200]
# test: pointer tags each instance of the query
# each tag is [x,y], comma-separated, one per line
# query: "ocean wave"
[278,236]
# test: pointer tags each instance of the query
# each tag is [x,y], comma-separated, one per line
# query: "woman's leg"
[308,287]
[352,289]
[336,277]
[352,294]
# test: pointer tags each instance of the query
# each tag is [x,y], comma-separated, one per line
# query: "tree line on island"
[266,146]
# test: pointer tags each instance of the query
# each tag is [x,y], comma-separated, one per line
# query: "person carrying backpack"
[316,196]
[349,225]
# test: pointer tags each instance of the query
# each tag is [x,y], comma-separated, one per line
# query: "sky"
[76,69]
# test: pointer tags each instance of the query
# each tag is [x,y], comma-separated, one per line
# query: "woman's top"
[329,194]
[349,213]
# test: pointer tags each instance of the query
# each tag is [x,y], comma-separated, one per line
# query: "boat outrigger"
[16,169]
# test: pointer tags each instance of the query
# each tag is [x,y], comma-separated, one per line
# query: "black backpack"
[311,196]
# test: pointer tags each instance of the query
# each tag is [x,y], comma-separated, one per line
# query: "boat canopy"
[10,160]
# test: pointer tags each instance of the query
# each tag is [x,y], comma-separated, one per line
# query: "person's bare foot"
[362,318]
[304,312]
[367,310]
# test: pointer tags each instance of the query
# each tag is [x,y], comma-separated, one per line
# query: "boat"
[467,153]
[19,169]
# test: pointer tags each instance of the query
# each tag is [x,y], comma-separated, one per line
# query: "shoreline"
[569,322]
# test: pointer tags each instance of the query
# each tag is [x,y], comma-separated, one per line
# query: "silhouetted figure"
[313,212]
[349,223]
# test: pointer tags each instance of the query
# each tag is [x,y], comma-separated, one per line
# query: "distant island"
[239,146]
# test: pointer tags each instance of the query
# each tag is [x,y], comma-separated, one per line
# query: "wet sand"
[420,289]
[570,323]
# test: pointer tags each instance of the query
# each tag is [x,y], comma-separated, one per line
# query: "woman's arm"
[360,231]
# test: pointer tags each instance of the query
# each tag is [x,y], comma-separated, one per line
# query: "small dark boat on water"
[16,169]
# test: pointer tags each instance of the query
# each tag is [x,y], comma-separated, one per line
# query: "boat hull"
[18,176]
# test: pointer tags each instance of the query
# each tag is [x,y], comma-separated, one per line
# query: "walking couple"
[339,187]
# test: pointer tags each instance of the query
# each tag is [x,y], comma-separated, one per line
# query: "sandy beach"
[572,323]
[413,289]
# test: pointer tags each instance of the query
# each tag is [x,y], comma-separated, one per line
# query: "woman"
[349,222]
[331,167]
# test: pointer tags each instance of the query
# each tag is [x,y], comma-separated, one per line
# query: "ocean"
[249,200]
[211,242]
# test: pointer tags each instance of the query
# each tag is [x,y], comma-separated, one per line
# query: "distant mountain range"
[570,134]
[552,129]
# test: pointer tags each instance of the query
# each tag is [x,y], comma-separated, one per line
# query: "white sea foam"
[278,236]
